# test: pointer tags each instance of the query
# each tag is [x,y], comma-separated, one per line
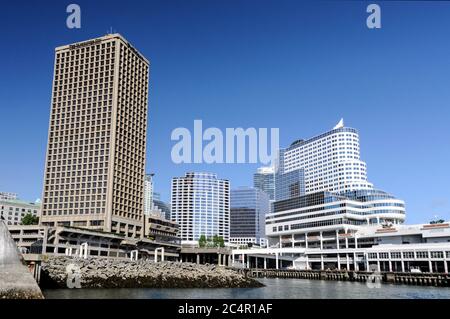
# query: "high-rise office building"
[148,194]
[95,162]
[200,204]
[329,162]
[322,194]
[249,207]
[264,179]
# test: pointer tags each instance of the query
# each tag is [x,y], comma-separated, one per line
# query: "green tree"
[217,241]
[220,242]
[202,241]
[30,219]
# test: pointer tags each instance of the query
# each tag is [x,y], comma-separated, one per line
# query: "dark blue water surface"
[275,288]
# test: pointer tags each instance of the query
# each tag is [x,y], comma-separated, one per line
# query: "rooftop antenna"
[110,31]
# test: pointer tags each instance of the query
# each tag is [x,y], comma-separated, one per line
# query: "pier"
[420,279]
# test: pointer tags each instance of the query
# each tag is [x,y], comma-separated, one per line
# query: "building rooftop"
[99,39]
[20,202]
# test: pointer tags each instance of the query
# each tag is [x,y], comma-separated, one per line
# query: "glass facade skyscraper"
[249,207]
[264,179]
[200,204]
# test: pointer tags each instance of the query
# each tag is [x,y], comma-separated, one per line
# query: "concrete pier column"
[321,240]
[198,259]
[348,261]
[356,241]
[248,261]
[276,261]
[378,266]
[430,265]
[256,262]
[322,266]
[306,240]
[265,263]
[390,266]
[355,263]
[338,262]
[337,239]
[403,266]
[445,266]
[292,239]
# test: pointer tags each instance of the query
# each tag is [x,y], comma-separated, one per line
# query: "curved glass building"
[321,187]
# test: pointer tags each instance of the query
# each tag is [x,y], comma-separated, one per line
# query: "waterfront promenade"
[420,279]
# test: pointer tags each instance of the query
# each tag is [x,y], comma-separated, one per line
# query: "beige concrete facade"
[95,162]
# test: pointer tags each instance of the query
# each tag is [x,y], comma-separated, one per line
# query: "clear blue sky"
[298,66]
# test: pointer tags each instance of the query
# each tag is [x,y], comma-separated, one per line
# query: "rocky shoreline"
[58,272]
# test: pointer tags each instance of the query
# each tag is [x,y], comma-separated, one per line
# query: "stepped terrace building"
[328,216]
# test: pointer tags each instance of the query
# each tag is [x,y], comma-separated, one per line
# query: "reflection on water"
[275,288]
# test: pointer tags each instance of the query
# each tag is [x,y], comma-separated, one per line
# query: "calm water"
[275,288]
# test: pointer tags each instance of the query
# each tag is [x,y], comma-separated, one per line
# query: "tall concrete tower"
[95,162]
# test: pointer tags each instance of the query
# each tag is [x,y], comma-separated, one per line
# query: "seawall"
[68,272]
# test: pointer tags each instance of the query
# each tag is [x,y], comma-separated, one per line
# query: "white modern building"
[200,204]
[395,248]
[148,194]
[13,210]
[7,195]
[329,162]
[328,216]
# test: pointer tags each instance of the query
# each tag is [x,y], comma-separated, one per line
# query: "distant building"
[7,196]
[163,207]
[249,207]
[148,194]
[264,179]
[156,196]
[12,211]
[201,206]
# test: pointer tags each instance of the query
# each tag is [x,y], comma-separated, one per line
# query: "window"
[384,255]
[408,255]
[396,255]
[437,254]
[422,254]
